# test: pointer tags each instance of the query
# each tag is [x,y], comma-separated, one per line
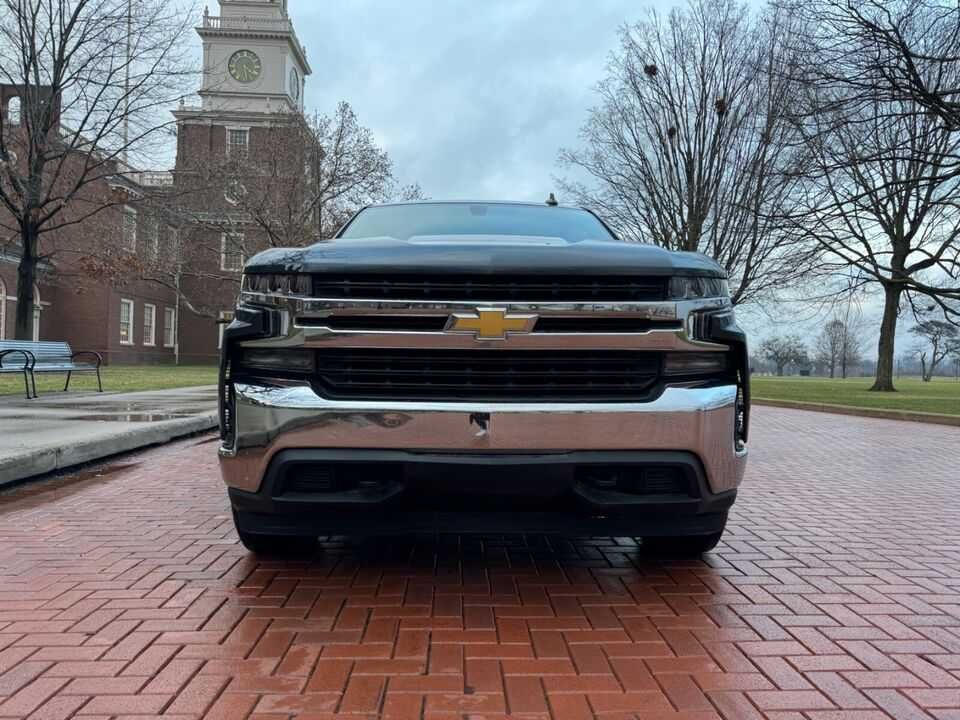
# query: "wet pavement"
[58,431]
[834,595]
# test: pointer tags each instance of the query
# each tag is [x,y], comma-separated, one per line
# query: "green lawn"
[942,395]
[120,378]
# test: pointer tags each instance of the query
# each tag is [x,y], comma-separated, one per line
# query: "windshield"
[419,219]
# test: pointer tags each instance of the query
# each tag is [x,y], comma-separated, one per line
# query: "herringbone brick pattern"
[836,594]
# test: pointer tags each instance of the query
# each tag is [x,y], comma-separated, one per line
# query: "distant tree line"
[837,352]
[799,145]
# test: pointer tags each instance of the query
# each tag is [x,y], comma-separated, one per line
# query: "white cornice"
[281,30]
[196,116]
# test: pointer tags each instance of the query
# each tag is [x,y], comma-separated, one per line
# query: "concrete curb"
[50,459]
[906,415]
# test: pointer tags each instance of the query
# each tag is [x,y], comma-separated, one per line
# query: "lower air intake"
[633,480]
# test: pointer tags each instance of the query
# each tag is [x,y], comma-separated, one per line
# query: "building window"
[238,142]
[13,111]
[129,229]
[231,252]
[171,249]
[126,322]
[169,327]
[149,325]
[153,238]
[226,317]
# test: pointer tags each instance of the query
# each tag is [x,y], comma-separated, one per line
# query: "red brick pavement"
[835,594]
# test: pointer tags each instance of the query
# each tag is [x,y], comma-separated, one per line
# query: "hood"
[483,254]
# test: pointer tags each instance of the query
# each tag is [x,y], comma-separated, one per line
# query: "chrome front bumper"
[269,420]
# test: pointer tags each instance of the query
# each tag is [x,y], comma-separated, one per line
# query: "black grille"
[508,375]
[490,288]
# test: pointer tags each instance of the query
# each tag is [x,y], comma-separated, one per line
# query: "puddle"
[128,408]
[133,417]
[62,482]
[105,417]
[100,472]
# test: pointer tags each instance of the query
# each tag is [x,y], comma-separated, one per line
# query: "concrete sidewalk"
[58,431]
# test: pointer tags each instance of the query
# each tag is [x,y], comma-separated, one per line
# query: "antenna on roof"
[552,200]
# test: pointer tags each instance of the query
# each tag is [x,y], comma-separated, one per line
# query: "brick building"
[189,248]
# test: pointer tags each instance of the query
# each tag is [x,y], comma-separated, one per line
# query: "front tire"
[284,545]
[687,546]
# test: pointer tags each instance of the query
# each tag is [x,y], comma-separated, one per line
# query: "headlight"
[294,360]
[684,287]
[694,363]
[277,284]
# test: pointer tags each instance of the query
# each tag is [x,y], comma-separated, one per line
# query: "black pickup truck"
[476,366]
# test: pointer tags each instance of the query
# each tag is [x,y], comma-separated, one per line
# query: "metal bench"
[31,358]
[15,360]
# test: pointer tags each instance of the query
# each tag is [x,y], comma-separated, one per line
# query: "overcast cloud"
[471,99]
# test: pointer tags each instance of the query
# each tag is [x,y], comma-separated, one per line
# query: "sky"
[470,99]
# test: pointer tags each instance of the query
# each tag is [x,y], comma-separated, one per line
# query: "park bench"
[31,358]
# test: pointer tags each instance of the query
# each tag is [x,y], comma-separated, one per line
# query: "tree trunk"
[26,279]
[885,349]
[780,370]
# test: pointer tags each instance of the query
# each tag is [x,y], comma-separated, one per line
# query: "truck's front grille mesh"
[508,375]
[490,288]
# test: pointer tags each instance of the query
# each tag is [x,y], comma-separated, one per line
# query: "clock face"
[245,66]
[294,84]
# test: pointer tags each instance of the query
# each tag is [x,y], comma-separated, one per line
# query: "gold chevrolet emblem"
[490,323]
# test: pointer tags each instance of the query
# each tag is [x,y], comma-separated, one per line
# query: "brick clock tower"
[251,96]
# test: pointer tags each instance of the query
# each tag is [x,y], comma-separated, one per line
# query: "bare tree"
[96,79]
[350,171]
[838,347]
[882,193]
[297,186]
[784,350]
[942,340]
[906,50]
[690,147]
[830,345]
